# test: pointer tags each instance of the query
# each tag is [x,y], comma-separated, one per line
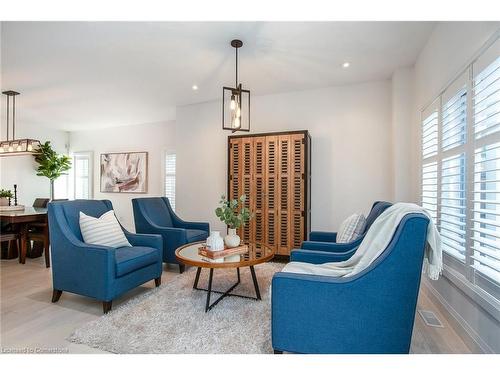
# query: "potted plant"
[5,195]
[235,215]
[51,165]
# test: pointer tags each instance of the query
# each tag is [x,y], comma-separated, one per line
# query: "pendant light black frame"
[238,91]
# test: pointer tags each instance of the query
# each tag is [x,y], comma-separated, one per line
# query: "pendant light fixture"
[13,146]
[236,102]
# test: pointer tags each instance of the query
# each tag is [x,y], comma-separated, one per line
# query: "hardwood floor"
[29,320]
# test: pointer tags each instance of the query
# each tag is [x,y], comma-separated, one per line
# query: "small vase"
[232,239]
[215,241]
[4,201]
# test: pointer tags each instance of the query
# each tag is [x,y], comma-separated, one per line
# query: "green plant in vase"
[5,195]
[235,215]
[51,165]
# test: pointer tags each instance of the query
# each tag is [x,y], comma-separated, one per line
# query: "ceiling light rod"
[236,43]
[12,94]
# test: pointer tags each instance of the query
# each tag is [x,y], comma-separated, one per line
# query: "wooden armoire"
[274,171]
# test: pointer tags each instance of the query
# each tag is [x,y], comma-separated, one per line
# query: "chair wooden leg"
[46,248]
[158,281]
[182,267]
[56,294]
[106,306]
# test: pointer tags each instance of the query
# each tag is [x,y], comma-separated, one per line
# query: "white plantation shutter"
[486,212]
[170,178]
[487,100]
[430,135]
[454,114]
[460,182]
[82,169]
[453,206]
[429,188]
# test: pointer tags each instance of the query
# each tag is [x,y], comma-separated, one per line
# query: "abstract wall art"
[124,172]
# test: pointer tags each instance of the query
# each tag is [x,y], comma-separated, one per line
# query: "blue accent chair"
[371,312]
[326,241]
[100,272]
[155,215]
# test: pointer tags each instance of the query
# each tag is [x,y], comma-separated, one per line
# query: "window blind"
[170,161]
[453,205]
[429,188]
[487,100]
[486,211]
[82,175]
[430,135]
[454,120]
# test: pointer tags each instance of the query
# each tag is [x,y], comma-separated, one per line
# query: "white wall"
[450,48]
[402,119]
[351,149]
[154,138]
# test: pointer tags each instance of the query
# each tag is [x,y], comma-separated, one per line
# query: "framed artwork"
[124,172]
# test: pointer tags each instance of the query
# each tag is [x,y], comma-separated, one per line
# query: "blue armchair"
[100,272]
[371,312]
[326,241]
[155,215]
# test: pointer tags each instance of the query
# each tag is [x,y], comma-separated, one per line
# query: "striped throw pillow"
[351,228]
[105,230]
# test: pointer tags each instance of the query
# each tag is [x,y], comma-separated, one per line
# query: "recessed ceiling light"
[195,87]
[346,64]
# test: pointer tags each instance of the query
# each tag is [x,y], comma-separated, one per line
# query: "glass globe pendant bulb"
[233,103]
[18,148]
[11,148]
[30,147]
[236,122]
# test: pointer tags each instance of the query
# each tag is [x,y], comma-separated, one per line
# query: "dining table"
[20,220]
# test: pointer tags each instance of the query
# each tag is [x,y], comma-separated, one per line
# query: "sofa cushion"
[194,235]
[351,228]
[104,230]
[129,259]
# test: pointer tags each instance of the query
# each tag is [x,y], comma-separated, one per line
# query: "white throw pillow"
[105,230]
[351,228]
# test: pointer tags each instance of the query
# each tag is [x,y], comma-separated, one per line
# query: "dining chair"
[39,234]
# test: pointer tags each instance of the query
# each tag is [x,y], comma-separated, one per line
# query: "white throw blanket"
[375,242]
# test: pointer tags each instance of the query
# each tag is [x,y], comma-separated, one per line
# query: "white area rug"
[172,318]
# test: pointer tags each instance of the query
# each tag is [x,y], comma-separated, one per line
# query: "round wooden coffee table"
[257,253]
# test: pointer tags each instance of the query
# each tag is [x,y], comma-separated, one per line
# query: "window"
[461,170]
[82,170]
[453,200]
[170,178]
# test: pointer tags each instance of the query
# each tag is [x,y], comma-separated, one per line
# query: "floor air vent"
[430,318]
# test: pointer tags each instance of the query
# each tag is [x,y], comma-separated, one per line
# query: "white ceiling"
[78,75]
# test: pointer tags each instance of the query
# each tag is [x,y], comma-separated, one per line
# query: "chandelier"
[13,146]
[236,102]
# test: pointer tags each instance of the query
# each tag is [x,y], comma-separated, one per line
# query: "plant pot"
[232,239]
[4,201]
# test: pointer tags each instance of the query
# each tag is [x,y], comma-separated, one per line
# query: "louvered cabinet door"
[297,190]
[284,176]
[271,192]
[235,175]
[257,190]
[246,233]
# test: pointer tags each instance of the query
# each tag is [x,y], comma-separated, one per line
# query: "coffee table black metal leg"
[209,290]
[197,278]
[255,283]
[238,272]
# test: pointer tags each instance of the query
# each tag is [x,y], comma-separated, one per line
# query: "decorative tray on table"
[204,251]
[19,207]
